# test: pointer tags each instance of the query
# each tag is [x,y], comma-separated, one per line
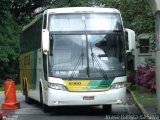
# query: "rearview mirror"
[130,40]
[45,41]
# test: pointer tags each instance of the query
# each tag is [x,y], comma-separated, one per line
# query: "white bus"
[75,56]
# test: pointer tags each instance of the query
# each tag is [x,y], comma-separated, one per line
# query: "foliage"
[9,36]
[24,10]
[144,76]
[136,14]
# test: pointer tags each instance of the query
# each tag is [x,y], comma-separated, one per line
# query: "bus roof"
[81,9]
[73,10]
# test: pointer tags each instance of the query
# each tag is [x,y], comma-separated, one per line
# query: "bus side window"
[44,21]
[27,60]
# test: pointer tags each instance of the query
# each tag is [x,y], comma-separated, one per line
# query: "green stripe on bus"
[100,83]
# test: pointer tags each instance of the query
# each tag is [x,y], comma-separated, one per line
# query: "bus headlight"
[57,86]
[118,85]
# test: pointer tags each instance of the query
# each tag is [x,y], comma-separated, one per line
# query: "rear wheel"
[107,109]
[27,99]
[23,88]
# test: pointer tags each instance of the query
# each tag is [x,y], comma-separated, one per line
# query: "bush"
[144,76]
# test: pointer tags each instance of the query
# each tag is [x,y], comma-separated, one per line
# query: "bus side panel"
[28,69]
[25,68]
[40,76]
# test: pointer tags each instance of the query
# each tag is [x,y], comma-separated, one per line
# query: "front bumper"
[54,97]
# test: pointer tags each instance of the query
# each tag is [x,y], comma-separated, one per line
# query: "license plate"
[88,97]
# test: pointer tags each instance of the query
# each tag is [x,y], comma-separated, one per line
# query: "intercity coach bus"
[75,56]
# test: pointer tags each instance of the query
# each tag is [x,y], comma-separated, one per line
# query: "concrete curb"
[140,106]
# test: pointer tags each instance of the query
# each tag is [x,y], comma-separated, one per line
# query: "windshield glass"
[85,22]
[86,46]
[88,56]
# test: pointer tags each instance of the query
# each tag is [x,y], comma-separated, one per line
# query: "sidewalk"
[150,111]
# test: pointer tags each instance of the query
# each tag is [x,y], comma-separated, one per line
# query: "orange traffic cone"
[10,96]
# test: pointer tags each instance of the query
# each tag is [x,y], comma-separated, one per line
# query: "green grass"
[145,98]
[143,95]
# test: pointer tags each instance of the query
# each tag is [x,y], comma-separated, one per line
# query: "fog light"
[57,102]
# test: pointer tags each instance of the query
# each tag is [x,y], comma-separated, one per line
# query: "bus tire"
[107,109]
[44,106]
[23,88]
[27,99]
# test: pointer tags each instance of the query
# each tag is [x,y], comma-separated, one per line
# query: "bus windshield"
[93,52]
[85,22]
[105,52]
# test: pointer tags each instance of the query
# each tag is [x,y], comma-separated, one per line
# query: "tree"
[9,36]
[24,11]
[137,15]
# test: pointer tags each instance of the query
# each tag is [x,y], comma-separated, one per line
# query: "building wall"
[143,50]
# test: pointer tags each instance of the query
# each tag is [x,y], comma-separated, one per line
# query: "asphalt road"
[34,112]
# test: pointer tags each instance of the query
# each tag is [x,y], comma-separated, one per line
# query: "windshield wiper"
[98,63]
[77,64]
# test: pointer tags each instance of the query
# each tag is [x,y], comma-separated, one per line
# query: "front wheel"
[107,109]
[44,106]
